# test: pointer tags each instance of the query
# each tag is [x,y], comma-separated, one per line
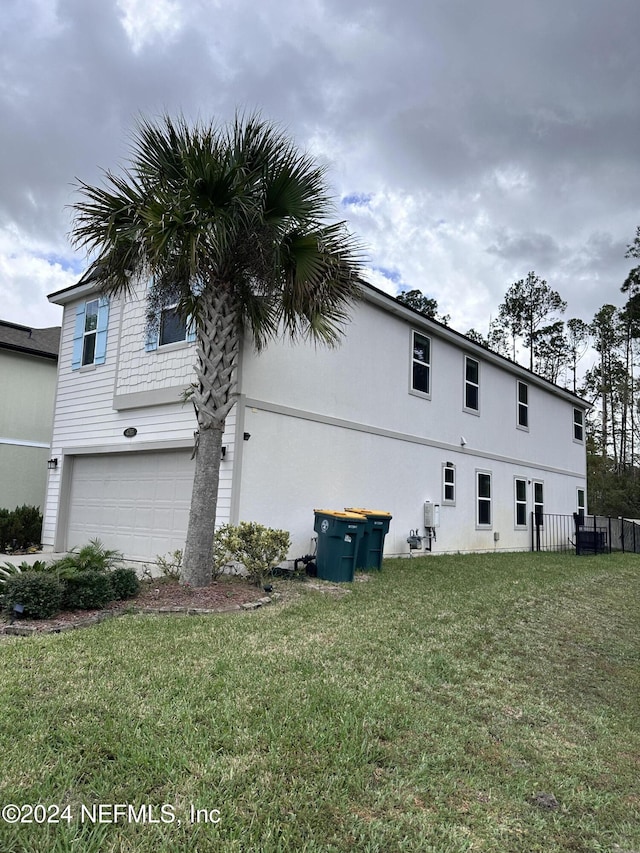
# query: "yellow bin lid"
[377,512]
[349,514]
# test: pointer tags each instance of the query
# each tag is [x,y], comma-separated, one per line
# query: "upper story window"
[172,328]
[420,363]
[471,384]
[523,405]
[483,499]
[578,425]
[448,483]
[90,333]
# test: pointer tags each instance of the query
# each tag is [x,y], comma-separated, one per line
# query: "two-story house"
[406,412]
[28,369]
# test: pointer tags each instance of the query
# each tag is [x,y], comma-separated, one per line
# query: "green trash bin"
[371,547]
[339,535]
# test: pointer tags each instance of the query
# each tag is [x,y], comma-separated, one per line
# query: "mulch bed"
[159,595]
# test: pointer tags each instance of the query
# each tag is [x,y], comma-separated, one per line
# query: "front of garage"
[135,502]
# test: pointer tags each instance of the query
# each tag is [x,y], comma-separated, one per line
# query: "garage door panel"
[135,502]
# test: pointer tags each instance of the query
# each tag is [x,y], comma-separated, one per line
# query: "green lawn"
[424,710]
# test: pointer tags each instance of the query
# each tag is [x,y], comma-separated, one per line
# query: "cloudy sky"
[467,141]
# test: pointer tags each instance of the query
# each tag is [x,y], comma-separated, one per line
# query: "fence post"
[532,548]
[609,550]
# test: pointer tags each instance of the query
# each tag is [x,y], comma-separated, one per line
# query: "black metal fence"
[584,534]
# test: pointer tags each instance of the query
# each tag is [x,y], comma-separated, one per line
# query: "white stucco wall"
[336,428]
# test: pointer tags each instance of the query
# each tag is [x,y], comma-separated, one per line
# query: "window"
[483,498]
[578,425]
[448,483]
[471,384]
[173,328]
[538,501]
[421,364]
[90,334]
[520,502]
[581,502]
[523,405]
[170,328]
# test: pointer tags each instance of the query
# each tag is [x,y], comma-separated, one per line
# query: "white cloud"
[489,139]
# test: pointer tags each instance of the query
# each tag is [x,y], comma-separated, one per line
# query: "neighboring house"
[28,367]
[405,411]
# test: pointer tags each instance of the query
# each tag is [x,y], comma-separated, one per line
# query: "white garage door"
[135,502]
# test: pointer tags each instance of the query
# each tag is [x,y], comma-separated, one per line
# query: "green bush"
[88,589]
[258,548]
[125,582]
[92,557]
[39,593]
[20,528]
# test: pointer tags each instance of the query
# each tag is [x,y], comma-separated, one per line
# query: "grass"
[423,711]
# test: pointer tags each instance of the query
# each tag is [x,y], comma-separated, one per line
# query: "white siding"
[86,421]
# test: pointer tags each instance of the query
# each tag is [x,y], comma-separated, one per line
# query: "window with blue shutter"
[171,328]
[90,333]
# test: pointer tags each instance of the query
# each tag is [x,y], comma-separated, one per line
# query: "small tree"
[258,548]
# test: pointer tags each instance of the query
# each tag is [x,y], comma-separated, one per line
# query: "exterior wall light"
[52,464]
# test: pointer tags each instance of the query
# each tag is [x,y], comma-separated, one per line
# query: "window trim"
[486,500]
[518,502]
[452,468]
[426,395]
[468,382]
[578,423]
[519,403]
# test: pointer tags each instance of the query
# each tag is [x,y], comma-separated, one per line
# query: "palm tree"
[229,223]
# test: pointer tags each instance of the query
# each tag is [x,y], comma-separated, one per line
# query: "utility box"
[339,535]
[431,514]
[371,547]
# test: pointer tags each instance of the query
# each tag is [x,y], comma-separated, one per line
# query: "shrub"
[170,565]
[10,569]
[88,589]
[124,582]
[92,557]
[20,528]
[39,593]
[258,548]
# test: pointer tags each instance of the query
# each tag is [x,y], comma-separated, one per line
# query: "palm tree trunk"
[218,346]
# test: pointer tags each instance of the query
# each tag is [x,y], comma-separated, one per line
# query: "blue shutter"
[151,343]
[101,332]
[191,329]
[76,359]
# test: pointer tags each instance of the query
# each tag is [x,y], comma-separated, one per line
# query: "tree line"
[530,329]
